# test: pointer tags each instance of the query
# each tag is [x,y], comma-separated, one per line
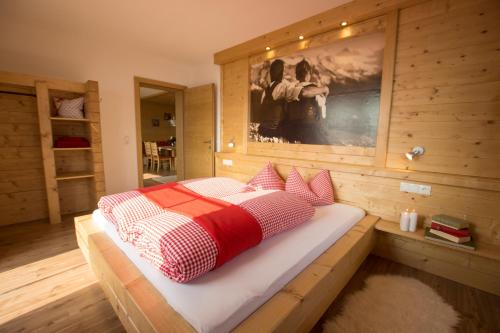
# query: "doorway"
[175,128]
[159,115]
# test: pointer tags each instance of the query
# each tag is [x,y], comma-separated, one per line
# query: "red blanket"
[232,228]
[71,142]
[187,229]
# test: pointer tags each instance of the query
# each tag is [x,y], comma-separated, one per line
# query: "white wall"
[35,50]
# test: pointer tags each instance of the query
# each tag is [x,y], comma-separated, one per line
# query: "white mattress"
[219,300]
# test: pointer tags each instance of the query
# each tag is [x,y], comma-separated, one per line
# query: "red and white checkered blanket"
[179,245]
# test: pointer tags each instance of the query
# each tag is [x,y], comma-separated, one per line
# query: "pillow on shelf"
[69,108]
[267,179]
[318,192]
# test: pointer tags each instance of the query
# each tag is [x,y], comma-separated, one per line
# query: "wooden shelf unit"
[59,166]
[482,249]
[478,269]
[74,177]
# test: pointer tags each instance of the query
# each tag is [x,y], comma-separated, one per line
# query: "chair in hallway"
[149,155]
[157,158]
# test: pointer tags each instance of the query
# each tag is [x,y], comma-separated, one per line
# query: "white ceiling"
[186,31]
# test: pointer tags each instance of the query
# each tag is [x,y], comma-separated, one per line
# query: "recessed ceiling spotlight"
[343,23]
[268,48]
[301,37]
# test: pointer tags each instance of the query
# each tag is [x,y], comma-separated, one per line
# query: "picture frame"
[327,95]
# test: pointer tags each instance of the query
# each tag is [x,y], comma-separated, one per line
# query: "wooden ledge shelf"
[482,249]
[84,120]
[74,175]
[72,149]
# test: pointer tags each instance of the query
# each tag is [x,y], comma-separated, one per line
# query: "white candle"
[404,221]
[413,220]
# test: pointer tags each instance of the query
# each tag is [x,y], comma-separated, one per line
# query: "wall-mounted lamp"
[268,48]
[231,144]
[343,24]
[301,37]
[415,151]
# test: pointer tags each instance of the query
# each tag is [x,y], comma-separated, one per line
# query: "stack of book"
[450,231]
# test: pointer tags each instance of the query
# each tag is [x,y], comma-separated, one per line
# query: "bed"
[289,299]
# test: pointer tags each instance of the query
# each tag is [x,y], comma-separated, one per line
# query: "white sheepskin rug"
[392,303]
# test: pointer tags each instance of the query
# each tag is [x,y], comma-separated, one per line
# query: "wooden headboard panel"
[377,190]
[445,97]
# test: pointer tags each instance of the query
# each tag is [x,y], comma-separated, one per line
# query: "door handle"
[208,141]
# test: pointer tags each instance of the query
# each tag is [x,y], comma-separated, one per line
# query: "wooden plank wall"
[446,97]
[22,183]
[447,88]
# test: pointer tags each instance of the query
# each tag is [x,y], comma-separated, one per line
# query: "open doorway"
[158,128]
[162,109]
[159,131]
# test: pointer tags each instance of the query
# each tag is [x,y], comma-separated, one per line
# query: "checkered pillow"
[318,192]
[267,179]
[69,108]
[277,211]
[216,187]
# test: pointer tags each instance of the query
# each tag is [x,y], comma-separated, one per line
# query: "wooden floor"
[46,286]
[480,311]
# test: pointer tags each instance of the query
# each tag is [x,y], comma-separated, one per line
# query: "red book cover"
[450,231]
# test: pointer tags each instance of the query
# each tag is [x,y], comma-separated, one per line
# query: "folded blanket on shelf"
[71,142]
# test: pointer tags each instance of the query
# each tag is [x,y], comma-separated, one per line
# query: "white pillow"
[69,108]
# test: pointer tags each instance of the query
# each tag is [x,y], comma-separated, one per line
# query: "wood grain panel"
[386,87]
[295,308]
[378,193]
[235,107]
[446,97]
[21,166]
[335,154]
[25,123]
[447,89]
[38,291]
[25,80]
[345,154]
[478,272]
[199,131]
[378,24]
[354,12]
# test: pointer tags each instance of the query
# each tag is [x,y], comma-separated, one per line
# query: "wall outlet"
[415,188]
[227,162]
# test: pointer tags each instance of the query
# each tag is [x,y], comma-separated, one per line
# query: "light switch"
[227,162]
[415,188]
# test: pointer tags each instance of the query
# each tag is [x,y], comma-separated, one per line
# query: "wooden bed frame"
[296,308]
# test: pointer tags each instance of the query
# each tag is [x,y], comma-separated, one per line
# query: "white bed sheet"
[219,300]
